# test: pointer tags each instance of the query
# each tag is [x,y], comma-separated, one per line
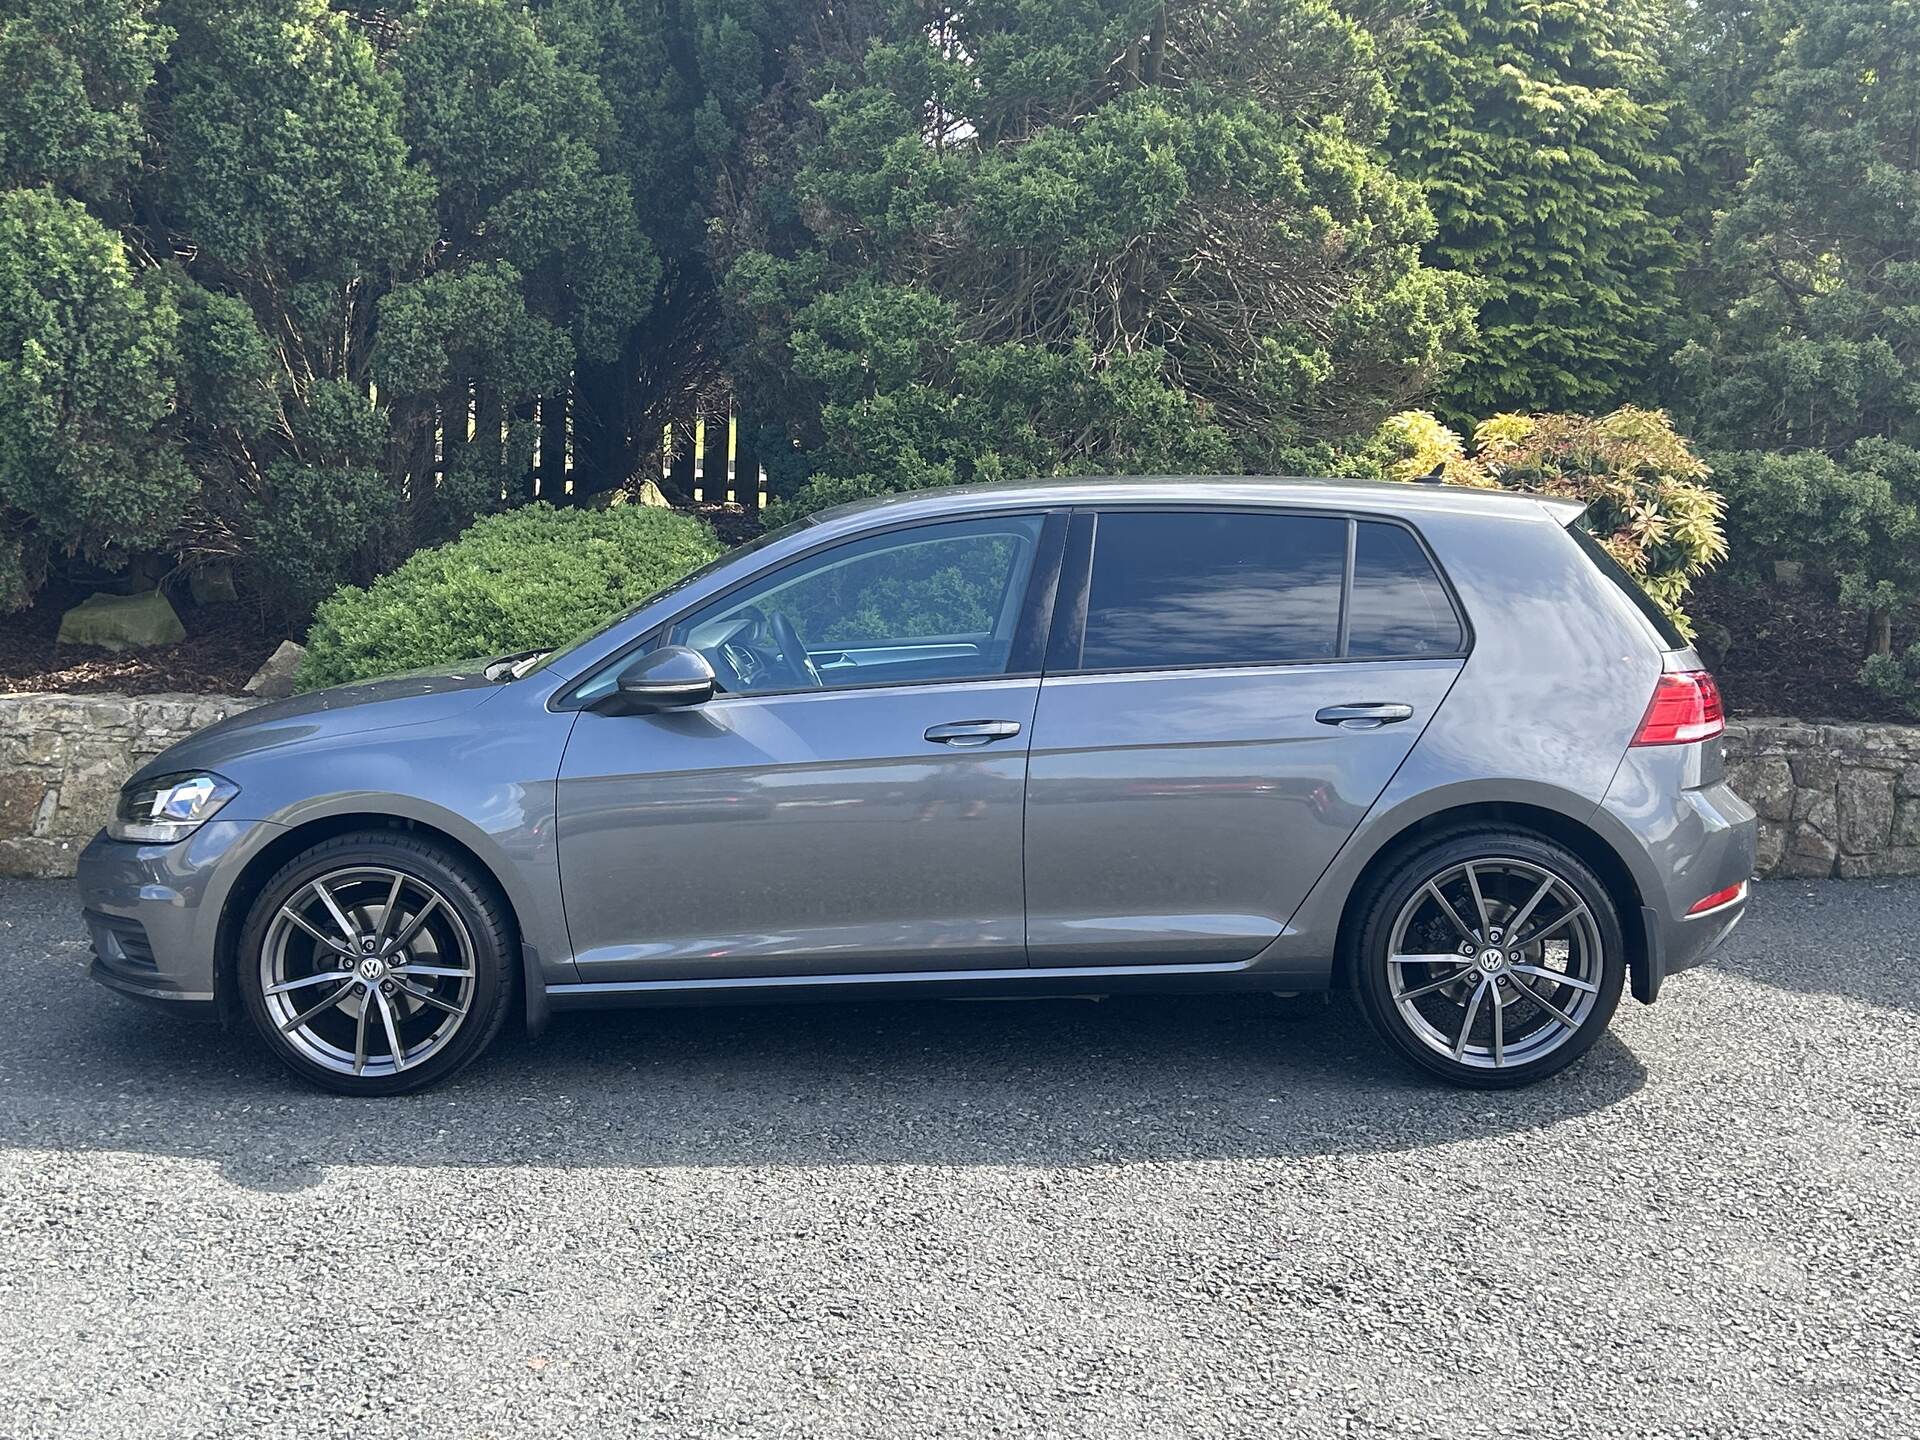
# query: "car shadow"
[1030,1083]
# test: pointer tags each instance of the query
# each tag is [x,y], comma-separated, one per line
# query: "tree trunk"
[1879,631]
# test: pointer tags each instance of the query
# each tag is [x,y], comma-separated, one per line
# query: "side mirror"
[670,678]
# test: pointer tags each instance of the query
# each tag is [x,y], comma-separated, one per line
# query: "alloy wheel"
[367,970]
[1495,963]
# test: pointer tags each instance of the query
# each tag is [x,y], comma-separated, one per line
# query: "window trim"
[1036,608]
[1064,657]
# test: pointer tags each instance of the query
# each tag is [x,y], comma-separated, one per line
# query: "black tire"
[1514,861]
[478,914]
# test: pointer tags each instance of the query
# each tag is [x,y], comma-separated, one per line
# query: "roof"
[1387,496]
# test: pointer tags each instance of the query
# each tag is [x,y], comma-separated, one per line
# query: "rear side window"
[1213,589]
[1399,606]
[1670,635]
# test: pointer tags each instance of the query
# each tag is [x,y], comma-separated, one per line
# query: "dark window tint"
[1202,589]
[1669,634]
[1399,605]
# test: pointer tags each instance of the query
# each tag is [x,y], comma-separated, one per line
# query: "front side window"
[1172,590]
[934,602]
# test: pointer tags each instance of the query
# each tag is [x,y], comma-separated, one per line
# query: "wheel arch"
[1556,825]
[268,860]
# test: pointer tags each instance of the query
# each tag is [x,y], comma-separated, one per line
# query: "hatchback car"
[1079,737]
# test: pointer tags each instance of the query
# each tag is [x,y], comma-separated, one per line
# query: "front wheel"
[377,963]
[1491,958]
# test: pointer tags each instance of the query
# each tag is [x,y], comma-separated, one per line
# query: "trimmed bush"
[529,578]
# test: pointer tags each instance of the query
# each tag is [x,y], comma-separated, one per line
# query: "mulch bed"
[1794,651]
[225,644]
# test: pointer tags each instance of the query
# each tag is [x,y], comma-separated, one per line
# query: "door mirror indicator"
[673,677]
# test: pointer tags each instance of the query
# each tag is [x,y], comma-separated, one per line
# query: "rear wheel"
[1492,958]
[377,963]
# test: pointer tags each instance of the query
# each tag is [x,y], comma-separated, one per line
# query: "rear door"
[1226,694]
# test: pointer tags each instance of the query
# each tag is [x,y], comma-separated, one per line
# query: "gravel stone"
[1144,1218]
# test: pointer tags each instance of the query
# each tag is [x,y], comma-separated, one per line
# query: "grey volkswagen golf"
[1428,745]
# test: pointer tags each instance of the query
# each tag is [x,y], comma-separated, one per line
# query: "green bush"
[532,577]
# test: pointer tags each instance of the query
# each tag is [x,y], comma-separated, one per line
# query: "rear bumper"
[1685,837]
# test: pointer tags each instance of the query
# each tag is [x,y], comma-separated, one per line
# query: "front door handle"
[1364,715]
[966,733]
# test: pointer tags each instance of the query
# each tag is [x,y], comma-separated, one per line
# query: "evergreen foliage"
[1539,133]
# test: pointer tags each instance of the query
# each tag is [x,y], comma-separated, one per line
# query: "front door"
[852,802]
[1225,715]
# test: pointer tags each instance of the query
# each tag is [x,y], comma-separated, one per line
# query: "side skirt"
[1067,981]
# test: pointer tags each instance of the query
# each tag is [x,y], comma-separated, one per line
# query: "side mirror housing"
[670,678]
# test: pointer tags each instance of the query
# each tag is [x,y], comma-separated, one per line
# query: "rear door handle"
[1364,715]
[966,733]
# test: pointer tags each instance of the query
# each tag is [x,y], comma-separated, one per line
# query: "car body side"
[1535,728]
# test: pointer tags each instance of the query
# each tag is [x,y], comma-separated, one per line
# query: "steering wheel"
[786,640]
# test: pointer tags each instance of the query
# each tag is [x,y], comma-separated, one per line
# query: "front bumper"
[153,912]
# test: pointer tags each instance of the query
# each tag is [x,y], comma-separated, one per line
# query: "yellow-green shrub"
[1646,493]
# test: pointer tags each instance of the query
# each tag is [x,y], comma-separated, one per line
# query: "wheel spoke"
[1452,915]
[393,1035]
[429,999]
[446,971]
[360,1041]
[1546,1005]
[325,977]
[339,916]
[1499,1027]
[1479,900]
[1558,977]
[399,942]
[1445,957]
[1466,1025]
[1551,927]
[388,911]
[1432,986]
[287,912]
[1526,911]
[305,1015]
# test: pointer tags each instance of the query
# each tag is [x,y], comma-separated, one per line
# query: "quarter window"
[1399,606]
[1213,589]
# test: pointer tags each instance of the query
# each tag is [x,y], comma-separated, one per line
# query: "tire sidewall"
[1405,878]
[481,911]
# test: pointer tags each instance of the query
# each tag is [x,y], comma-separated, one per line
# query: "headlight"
[169,807]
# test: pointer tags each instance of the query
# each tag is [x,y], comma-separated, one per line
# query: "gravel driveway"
[1136,1218]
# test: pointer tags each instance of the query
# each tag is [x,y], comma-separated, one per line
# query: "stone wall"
[64,757]
[1833,799]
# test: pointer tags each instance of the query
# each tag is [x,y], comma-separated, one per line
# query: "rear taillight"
[1685,708]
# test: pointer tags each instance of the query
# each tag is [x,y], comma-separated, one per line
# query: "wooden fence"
[706,456]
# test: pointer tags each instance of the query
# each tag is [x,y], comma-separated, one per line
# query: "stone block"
[122,622]
[1816,808]
[1906,822]
[1770,848]
[274,680]
[1865,805]
[1766,784]
[1815,770]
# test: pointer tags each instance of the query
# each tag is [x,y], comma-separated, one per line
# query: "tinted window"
[935,602]
[1399,605]
[1669,633]
[1201,589]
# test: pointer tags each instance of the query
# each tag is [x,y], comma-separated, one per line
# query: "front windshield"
[541,662]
